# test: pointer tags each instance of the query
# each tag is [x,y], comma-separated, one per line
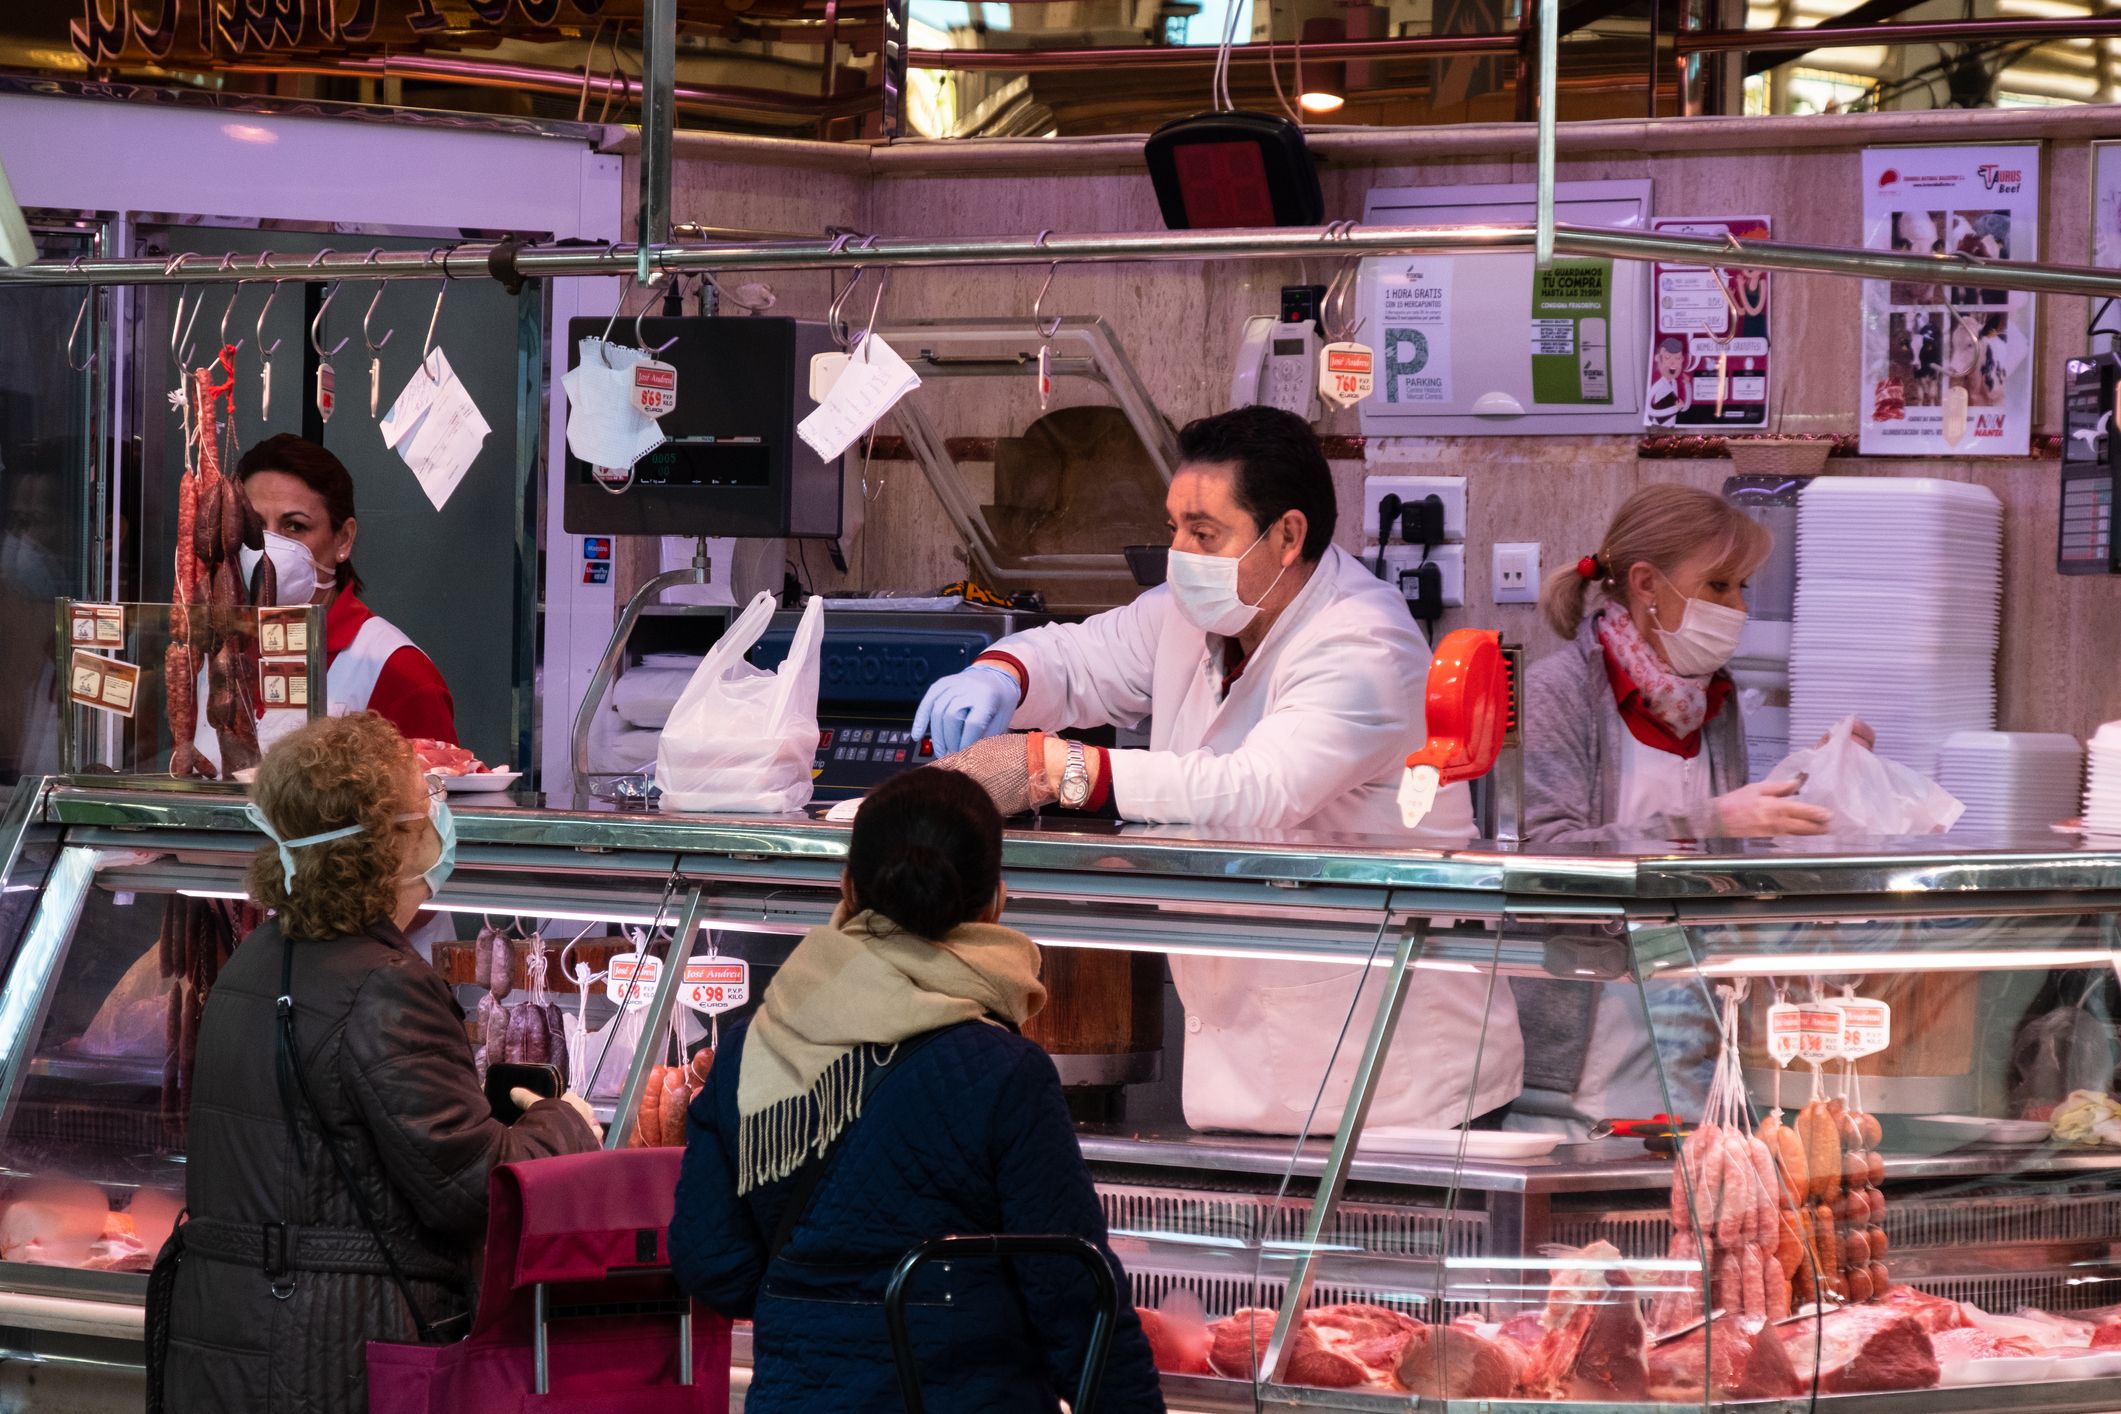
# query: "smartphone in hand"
[541,1080]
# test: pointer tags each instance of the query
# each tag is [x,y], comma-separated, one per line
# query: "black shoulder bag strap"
[811,1175]
[291,1081]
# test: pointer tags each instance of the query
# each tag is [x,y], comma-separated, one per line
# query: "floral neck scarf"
[1678,704]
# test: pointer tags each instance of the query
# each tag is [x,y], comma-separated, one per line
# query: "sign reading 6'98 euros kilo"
[716,985]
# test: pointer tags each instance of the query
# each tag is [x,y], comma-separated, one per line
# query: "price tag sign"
[105,684]
[98,626]
[655,387]
[1785,1033]
[714,986]
[1866,1027]
[283,630]
[632,980]
[1346,373]
[825,370]
[1819,1033]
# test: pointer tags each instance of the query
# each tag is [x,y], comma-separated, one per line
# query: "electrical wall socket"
[1450,562]
[1514,575]
[1452,489]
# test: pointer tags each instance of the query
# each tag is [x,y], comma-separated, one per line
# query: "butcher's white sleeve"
[1341,718]
[1096,673]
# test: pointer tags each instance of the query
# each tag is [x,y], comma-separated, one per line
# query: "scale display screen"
[707,461]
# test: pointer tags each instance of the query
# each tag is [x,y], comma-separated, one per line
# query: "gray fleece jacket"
[1573,734]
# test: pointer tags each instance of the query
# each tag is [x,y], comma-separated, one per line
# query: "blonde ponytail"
[1660,525]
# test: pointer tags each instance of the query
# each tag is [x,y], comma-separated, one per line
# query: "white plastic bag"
[1867,794]
[740,740]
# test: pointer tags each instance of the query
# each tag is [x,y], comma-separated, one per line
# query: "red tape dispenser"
[1468,712]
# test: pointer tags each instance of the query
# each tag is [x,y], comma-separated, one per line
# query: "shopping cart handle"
[993,1246]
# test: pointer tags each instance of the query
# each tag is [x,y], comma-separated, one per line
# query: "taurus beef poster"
[1948,367]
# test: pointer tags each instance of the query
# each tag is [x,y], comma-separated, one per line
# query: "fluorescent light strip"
[1791,964]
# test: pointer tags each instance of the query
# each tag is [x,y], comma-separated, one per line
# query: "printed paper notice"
[1416,306]
[436,427]
[98,625]
[106,684]
[1572,319]
[1709,333]
[873,381]
[1947,368]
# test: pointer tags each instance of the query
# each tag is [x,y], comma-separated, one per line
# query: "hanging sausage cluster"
[1833,1203]
[198,934]
[532,1031]
[215,522]
[670,1091]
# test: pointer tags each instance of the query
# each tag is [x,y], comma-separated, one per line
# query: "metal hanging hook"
[179,328]
[640,340]
[1341,289]
[835,318]
[368,340]
[1045,329]
[80,317]
[316,324]
[228,263]
[427,344]
[883,282]
[257,329]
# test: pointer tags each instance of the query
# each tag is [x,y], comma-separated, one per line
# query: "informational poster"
[1948,368]
[1572,340]
[2106,205]
[1709,333]
[1417,334]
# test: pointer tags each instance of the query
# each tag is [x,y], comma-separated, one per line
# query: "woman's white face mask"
[1705,638]
[296,574]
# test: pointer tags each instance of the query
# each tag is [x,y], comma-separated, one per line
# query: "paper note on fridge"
[874,380]
[436,428]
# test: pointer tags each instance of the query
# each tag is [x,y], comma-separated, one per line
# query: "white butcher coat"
[1313,737]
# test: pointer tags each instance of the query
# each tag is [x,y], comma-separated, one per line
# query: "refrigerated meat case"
[2001,963]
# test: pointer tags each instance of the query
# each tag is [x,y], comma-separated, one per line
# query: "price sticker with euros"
[1866,1026]
[632,979]
[1818,1033]
[1785,1032]
[1346,373]
[713,986]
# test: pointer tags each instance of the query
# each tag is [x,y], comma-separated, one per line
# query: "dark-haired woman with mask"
[880,1097]
[337,1153]
[305,496]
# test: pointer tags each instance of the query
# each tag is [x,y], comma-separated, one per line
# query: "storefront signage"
[1948,369]
[158,29]
[1709,347]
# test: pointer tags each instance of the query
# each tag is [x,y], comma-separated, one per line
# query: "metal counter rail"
[1929,875]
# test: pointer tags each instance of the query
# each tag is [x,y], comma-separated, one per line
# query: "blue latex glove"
[967,707]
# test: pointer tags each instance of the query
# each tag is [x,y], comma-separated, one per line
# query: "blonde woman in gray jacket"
[1632,733]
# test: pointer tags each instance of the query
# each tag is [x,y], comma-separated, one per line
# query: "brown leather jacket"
[383,1049]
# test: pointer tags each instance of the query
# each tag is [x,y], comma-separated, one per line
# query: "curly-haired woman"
[338,1152]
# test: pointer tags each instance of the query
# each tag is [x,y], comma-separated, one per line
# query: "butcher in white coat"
[1284,686]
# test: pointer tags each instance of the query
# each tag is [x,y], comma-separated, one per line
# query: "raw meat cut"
[1178,1346]
[1451,1362]
[1595,1346]
[439,758]
[119,1249]
[1745,1366]
[1239,1341]
[1932,1313]
[1371,1336]
[1973,1343]
[1862,1350]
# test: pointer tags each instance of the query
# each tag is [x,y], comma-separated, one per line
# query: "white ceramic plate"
[1978,1129]
[1479,1143]
[481,783]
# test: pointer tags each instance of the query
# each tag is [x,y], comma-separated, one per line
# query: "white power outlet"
[1514,577]
[1450,562]
[1451,490]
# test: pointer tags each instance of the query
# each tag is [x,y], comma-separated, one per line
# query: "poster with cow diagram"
[1948,367]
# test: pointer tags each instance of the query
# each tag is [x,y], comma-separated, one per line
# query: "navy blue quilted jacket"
[973,1136]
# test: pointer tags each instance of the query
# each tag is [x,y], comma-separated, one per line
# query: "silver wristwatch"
[1075,777]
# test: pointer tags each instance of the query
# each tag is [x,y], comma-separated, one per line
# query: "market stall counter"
[1892,1182]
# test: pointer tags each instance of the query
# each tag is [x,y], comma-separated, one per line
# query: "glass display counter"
[1930,1223]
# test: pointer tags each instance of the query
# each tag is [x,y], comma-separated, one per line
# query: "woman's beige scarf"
[848,994]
